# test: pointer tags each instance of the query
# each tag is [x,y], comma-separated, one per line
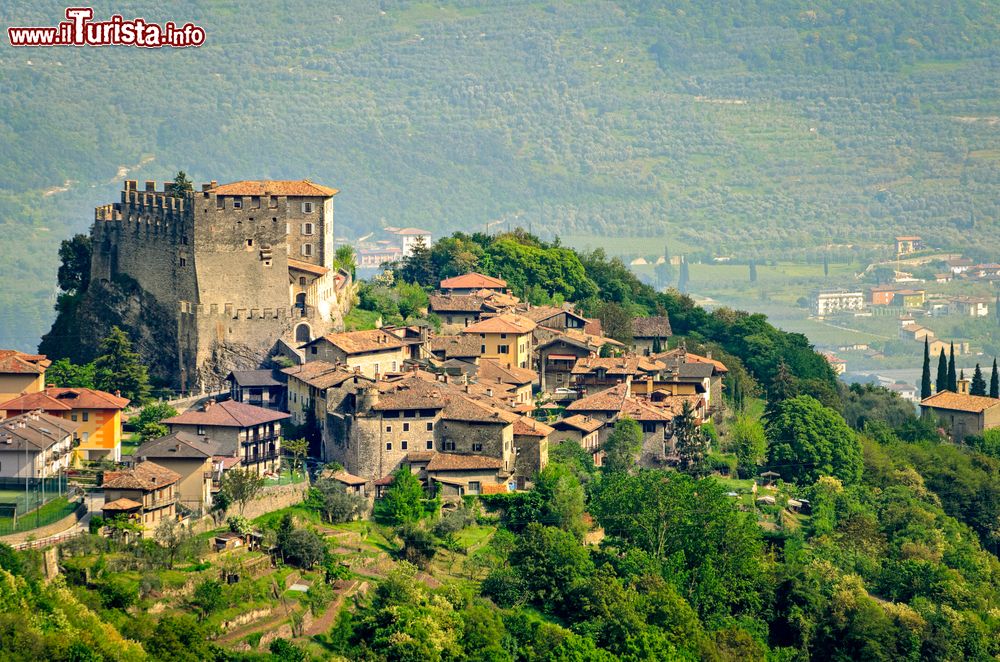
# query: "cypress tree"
[995,381]
[941,384]
[925,376]
[978,383]
[826,265]
[952,375]
[684,278]
[753,271]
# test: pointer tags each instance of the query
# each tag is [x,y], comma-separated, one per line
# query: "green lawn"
[52,511]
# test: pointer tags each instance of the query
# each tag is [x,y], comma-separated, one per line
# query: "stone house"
[555,317]
[238,430]
[458,311]
[99,415]
[961,414]
[583,430]
[192,458]
[520,380]
[20,374]
[531,445]
[558,351]
[374,352]
[454,476]
[145,494]
[649,334]
[591,375]
[506,338]
[35,445]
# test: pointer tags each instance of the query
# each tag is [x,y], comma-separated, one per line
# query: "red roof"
[18,363]
[65,399]
[228,413]
[473,281]
[300,187]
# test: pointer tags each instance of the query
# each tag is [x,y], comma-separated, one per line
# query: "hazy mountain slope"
[774,126]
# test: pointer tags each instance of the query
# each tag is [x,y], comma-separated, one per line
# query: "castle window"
[307,250]
[388,428]
[249,242]
[449,445]
[404,445]
[388,445]
[406,427]
[272,202]
[307,207]
[183,261]
[184,239]
[477,447]
[430,426]
[255,202]
[220,202]
[237,203]
[430,444]
[307,228]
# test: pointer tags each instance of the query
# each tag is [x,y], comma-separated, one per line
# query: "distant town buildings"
[908,244]
[827,302]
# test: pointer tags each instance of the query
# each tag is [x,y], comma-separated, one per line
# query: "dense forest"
[763,127]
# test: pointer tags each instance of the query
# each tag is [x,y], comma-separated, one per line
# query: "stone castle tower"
[242,268]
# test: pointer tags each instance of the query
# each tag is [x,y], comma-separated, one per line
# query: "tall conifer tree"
[925,376]
[978,383]
[941,383]
[995,381]
[952,375]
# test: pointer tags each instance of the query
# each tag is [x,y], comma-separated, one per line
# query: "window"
[307,207]
[649,427]
[184,239]
[406,427]
[312,350]
[403,445]
[272,202]
[449,445]
[474,486]
[430,426]
[220,202]
[307,228]
[482,349]
[388,445]
[183,262]
[254,202]
[394,366]
[86,436]
[449,319]
[302,281]
[503,336]
[477,447]
[307,250]
[430,444]
[201,429]
[503,349]
[249,243]
[72,417]
[237,203]
[86,416]
[388,428]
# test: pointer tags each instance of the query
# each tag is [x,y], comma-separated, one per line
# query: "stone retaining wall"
[55,528]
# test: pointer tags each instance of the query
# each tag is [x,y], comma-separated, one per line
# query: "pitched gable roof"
[471,281]
[960,402]
[579,422]
[34,431]
[529,427]
[297,187]
[144,476]
[455,303]
[455,462]
[505,323]
[65,399]
[651,327]
[360,342]
[491,369]
[178,445]
[13,362]
[227,413]
[254,378]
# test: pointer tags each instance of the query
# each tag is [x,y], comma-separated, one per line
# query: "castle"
[245,269]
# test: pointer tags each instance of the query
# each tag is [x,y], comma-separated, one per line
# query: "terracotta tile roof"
[144,476]
[65,399]
[676,356]
[460,346]
[618,365]
[227,413]
[610,399]
[13,362]
[360,342]
[505,323]
[539,314]
[346,478]
[473,281]
[455,303]
[307,267]
[40,431]
[298,187]
[455,462]
[466,409]
[490,369]
[529,427]
[411,393]
[411,231]
[122,504]
[579,422]
[959,402]
[651,327]
[254,378]
[322,374]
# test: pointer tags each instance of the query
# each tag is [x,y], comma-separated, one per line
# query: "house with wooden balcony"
[240,431]
[260,388]
[196,459]
[145,494]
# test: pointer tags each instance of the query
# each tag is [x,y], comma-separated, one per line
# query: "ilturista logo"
[79,29]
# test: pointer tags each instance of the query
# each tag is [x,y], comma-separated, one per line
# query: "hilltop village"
[232,448]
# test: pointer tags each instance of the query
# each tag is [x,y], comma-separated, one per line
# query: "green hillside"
[765,128]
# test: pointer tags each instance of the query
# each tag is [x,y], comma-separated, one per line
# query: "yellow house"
[506,338]
[97,412]
[21,373]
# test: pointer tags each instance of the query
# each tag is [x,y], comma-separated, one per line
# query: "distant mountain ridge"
[766,131]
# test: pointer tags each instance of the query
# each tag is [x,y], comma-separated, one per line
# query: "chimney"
[46,386]
[214,184]
[208,404]
[118,393]
[963,386]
